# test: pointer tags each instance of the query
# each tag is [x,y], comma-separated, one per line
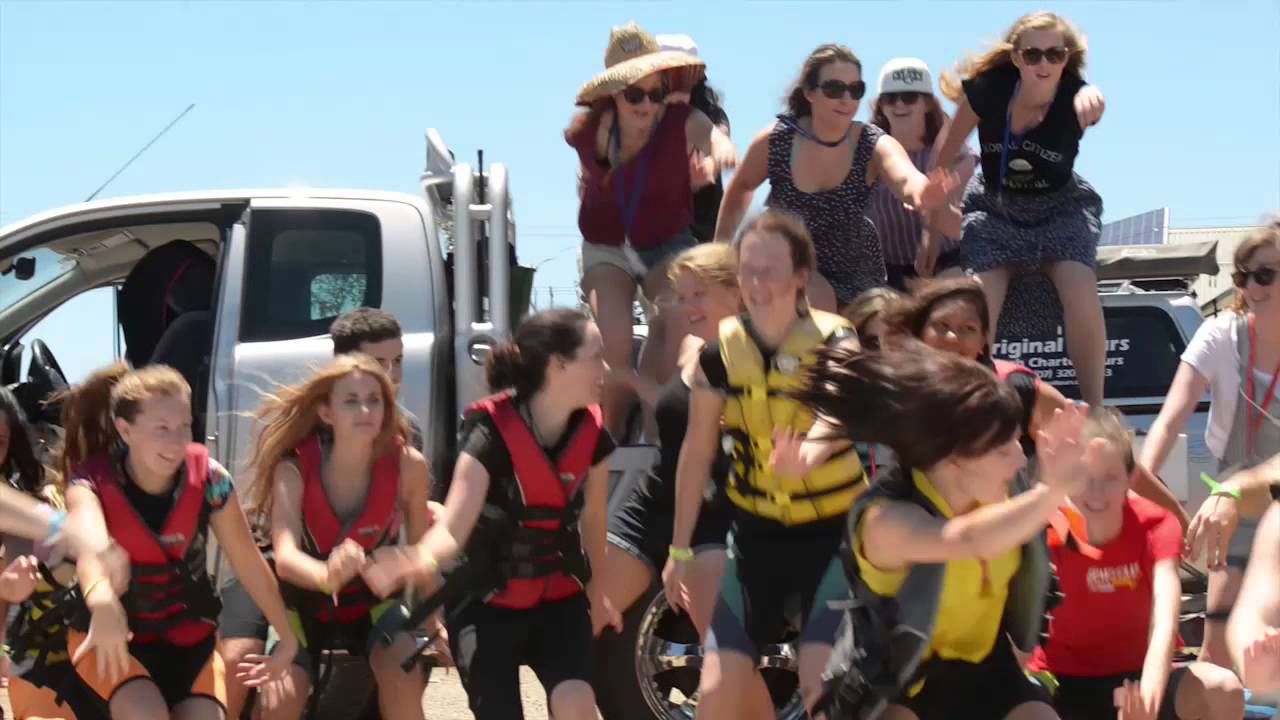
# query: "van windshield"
[1144,348]
[49,267]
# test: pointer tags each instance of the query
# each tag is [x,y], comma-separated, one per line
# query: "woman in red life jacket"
[1236,358]
[639,156]
[528,496]
[135,474]
[1254,630]
[1112,638]
[1028,209]
[343,479]
[952,315]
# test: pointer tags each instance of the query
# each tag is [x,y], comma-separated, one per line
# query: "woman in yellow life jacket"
[945,510]
[786,528]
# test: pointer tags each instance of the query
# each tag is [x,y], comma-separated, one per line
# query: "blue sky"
[339,93]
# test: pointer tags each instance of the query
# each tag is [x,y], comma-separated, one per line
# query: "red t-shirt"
[1101,628]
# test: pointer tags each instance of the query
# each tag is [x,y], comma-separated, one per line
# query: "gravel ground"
[444,700]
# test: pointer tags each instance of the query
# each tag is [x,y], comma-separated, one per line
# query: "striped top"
[900,229]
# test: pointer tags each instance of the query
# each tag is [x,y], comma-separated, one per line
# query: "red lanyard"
[1254,426]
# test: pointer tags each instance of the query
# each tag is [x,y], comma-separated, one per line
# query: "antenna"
[139,153]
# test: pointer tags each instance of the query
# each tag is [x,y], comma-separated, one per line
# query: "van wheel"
[667,661]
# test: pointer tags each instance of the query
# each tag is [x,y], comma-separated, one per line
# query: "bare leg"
[812,661]
[995,285]
[1209,692]
[1086,330]
[661,352]
[731,688]
[1224,586]
[704,587]
[1032,711]
[399,692]
[610,291]
[572,700]
[233,652]
[624,577]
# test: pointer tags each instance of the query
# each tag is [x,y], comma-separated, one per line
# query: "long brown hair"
[1002,52]
[926,404]
[909,318]
[822,56]
[1266,236]
[870,305]
[934,117]
[291,415]
[90,409]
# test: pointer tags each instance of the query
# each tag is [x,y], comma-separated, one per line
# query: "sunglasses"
[1264,276]
[1055,55]
[835,89]
[636,95]
[906,98]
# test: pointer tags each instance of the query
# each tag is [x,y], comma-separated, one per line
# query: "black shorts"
[240,617]
[642,526]
[1093,698]
[491,643]
[988,689]
[767,578]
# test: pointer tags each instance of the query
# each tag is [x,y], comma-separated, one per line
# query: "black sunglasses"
[835,89]
[636,95]
[1055,55]
[1264,276]
[906,98]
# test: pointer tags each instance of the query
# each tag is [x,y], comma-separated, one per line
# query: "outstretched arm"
[751,173]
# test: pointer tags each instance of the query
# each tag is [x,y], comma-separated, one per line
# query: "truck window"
[305,268]
[1144,348]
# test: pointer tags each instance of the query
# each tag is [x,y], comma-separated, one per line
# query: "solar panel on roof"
[1148,228]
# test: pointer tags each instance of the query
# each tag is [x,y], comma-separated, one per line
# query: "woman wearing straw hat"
[907,109]
[638,156]
[821,165]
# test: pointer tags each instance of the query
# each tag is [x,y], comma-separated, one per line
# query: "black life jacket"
[883,640]
[170,597]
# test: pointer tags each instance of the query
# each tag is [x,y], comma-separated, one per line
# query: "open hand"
[1132,703]
[788,458]
[1060,450]
[108,639]
[257,670]
[19,579]
[941,183]
[602,611]
[1261,667]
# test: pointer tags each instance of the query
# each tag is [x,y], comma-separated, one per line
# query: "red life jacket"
[378,524]
[170,597]
[543,561]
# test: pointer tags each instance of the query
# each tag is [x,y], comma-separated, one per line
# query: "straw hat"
[632,54]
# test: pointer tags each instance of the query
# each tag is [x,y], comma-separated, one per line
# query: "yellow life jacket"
[756,406]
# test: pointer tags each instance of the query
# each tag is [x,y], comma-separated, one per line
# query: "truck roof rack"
[1155,268]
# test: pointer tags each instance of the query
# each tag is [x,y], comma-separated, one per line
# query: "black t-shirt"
[482,441]
[1042,158]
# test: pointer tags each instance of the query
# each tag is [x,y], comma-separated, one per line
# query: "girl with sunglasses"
[1028,209]
[1236,358]
[822,166]
[640,156]
[907,109]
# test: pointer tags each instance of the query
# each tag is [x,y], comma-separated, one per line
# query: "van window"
[1144,348]
[305,268]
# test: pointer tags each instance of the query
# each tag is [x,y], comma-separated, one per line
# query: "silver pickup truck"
[236,289]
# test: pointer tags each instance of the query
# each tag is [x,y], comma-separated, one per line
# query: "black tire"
[614,663]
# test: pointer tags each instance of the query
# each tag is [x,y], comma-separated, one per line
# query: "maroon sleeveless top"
[665,204]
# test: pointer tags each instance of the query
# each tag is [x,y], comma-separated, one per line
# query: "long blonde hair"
[1001,53]
[90,409]
[291,415]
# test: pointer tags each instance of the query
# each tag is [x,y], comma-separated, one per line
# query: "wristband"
[56,521]
[1218,490]
[84,594]
[680,554]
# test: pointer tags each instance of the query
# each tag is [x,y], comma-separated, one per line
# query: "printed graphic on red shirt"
[1102,625]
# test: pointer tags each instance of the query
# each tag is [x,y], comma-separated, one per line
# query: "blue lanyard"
[629,209]
[790,121]
[1008,128]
